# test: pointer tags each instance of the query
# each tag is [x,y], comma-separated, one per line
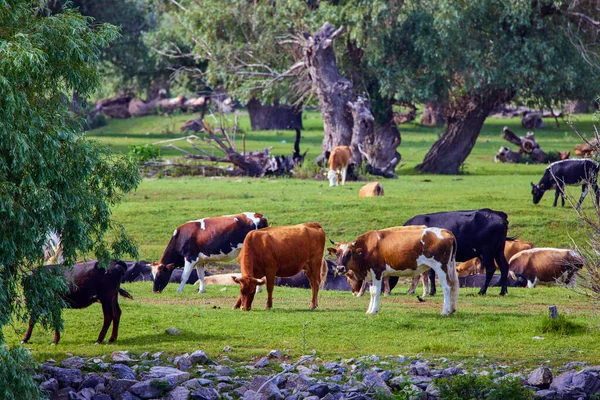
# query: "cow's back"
[546,264]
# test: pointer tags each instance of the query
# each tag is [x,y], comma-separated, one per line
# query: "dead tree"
[527,145]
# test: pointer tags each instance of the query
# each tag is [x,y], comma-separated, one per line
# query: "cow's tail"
[453,275]
[324,270]
[379,190]
[125,294]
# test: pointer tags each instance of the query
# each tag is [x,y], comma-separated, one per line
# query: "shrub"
[475,387]
[16,376]
[144,153]
[561,326]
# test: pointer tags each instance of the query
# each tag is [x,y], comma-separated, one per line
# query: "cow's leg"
[386,286]
[490,268]
[314,277]
[362,290]
[187,271]
[108,317]
[344,172]
[413,284]
[56,337]
[449,296]
[432,290]
[375,291]
[502,263]
[425,278]
[270,286]
[238,303]
[29,330]
[116,318]
[200,271]
[584,192]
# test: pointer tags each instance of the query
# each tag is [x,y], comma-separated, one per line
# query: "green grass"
[499,328]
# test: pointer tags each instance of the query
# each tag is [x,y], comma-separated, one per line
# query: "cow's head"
[344,252]
[161,274]
[537,191]
[247,290]
[354,282]
[262,221]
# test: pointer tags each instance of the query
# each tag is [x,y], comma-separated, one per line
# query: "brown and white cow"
[545,265]
[281,251]
[511,247]
[197,242]
[339,159]
[401,252]
[372,189]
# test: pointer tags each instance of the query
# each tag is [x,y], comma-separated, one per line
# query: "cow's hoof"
[111,340]
[201,291]
[52,344]
[23,341]
[311,308]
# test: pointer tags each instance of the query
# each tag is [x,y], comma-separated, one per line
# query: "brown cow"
[281,251]
[401,252]
[545,265]
[372,189]
[511,247]
[339,159]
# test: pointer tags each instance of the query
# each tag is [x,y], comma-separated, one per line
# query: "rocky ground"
[126,376]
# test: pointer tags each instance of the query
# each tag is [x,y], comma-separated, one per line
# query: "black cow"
[89,284]
[573,171]
[140,272]
[479,233]
[333,281]
[473,281]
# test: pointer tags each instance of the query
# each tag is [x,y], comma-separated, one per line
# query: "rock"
[297,382]
[91,381]
[150,389]
[432,390]
[262,363]
[419,369]
[588,382]
[304,370]
[227,349]
[209,375]
[167,372]
[118,386]
[312,398]
[540,377]
[128,396]
[532,120]
[179,393]
[575,364]
[85,394]
[275,354]
[62,394]
[183,362]
[158,354]
[50,386]
[67,377]
[572,385]
[198,357]
[545,395]
[269,391]
[451,371]
[101,396]
[73,362]
[173,331]
[121,357]
[319,390]
[374,381]
[123,371]
[562,381]
[224,387]
[224,370]
[386,375]
[224,379]
[204,394]
[330,366]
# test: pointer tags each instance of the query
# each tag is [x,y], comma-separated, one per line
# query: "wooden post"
[553,311]
[244,144]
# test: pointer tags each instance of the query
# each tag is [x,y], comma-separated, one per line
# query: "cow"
[511,247]
[574,171]
[332,282]
[408,251]
[88,283]
[546,265]
[474,281]
[197,242]
[479,233]
[372,189]
[339,159]
[281,251]
[506,155]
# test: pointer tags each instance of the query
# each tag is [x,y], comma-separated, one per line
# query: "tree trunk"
[347,118]
[433,114]
[464,122]
[273,117]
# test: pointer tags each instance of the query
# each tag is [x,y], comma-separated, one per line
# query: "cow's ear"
[532,184]
[332,251]
[358,251]
[260,282]
[235,279]
[541,185]
[171,266]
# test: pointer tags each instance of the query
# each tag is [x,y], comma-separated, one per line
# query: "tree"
[52,178]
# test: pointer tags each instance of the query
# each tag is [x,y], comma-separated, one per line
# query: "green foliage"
[475,387]
[561,326]
[16,374]
[145,152]
[162,386]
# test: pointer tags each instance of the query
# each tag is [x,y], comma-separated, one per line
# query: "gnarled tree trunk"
[433,114]
[463,125]
[347,118]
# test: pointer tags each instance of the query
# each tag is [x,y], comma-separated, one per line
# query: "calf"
[372,189]
[281,251]
[339,159]
[511,247]
[545,265]
[573,171]
[408,251]
[197,242]
[89,284]
[479,233]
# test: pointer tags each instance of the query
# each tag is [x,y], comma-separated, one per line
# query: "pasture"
[498,328]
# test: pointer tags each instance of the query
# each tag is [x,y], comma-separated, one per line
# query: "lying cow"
[506,155]
[575,171]
[89,284]
[339,159]
[402,252]
[479,233]
[474,281]
[281,251]
[372,189]
[332,282]
[546,265]
[197,242]
[511,247]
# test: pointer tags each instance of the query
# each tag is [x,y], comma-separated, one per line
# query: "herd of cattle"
[425,246]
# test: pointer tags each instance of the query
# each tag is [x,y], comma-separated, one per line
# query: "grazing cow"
[89,284]
[546,265]
[479,233]
[339,159]
[407,251]
[281,251]
[197,242]
[575,171]
[511,247]
[372,189]
[474,281]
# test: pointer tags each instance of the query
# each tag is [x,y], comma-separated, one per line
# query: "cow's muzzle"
[341,269]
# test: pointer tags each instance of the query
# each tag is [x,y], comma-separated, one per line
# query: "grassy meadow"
[498,328]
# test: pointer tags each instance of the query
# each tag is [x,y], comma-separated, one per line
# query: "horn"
[332,242]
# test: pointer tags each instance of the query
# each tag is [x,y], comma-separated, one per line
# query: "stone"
[262,363]
[268,391]
[121,357]
[386,375]
[226,349]
[173,331]
[545,394]
[128,396]
[562,381]
[204,394]
[91,381]
[297,382]
[116,387]
[312,398]
[275,354]
[432,390]
[224,370]
[183,362]
[224,379]
[145,355]
[149,389]
[50,386]
[304,370]
[319,390]
[73,362]
[419,369]
[158,354]
[209,375]
[224,387]
[85,394]
[101,396]
[67,377]
[374,381]
[330,366]
[540,377]
[451,371]
[167,372]
[198,357]
[575,364]
[62,394]
[123,371]
[179,393]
